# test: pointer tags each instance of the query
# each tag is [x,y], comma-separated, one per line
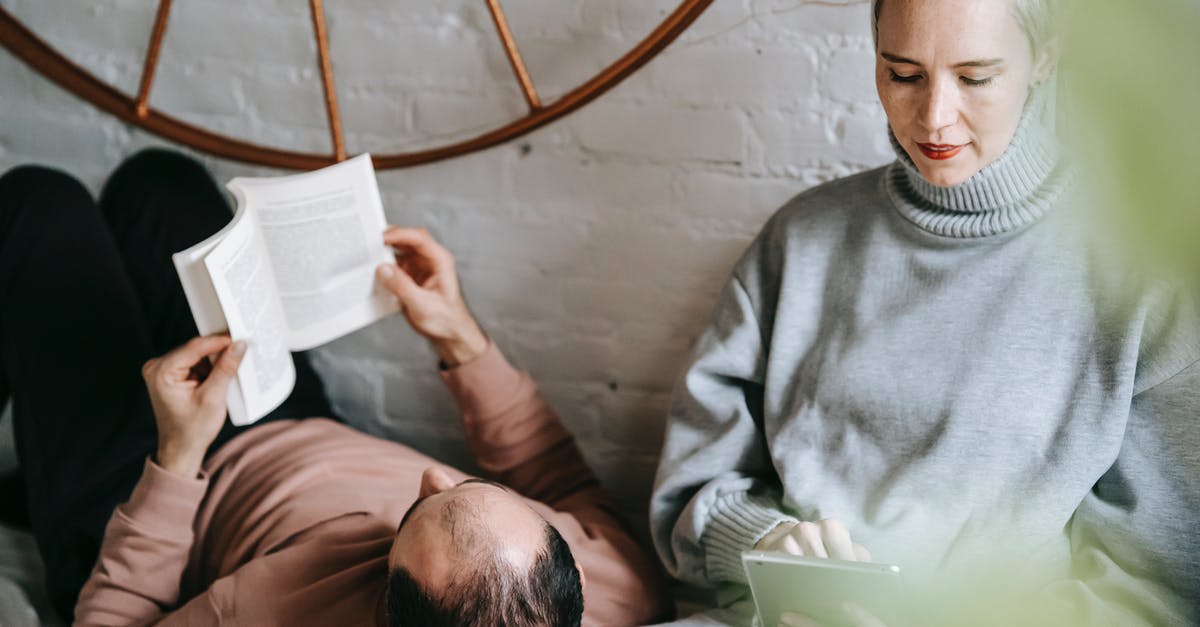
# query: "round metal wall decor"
[136,109]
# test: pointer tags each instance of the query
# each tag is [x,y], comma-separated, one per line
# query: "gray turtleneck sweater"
[962,378]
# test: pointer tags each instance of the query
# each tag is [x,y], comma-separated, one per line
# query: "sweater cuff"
[165,503]
[485,385]
[736,523]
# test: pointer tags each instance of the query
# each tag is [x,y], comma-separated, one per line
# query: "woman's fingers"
[770,542]
[860,617]
[837,540]
[861,553]
[828,538]
[793,619]
[808,535]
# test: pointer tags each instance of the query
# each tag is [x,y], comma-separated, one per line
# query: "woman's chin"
[946,175]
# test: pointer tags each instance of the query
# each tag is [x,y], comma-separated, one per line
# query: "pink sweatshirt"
[291,522]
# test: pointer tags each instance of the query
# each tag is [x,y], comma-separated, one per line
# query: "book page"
[206,306]
[241,278]
[323,231]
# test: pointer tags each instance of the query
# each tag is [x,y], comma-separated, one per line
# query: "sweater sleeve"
[716,493]
[518,440]
[144,552]
[1134,539]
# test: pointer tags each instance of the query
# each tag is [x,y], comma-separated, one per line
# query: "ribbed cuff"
[736,523]
[165,503]
[485,385]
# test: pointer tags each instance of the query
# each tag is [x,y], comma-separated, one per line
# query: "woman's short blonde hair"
[1038,18]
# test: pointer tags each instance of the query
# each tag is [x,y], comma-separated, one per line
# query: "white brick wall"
[591,250]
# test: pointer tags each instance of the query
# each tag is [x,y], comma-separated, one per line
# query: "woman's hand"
[424,280]
[188,398]
[825,539]
[855,616]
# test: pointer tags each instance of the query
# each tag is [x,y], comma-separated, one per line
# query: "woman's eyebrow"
[894,58]
[975,63]
[981,63]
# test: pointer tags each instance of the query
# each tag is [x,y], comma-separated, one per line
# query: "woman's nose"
[433,481]
[941,106]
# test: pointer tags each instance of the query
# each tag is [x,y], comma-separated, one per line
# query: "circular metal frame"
[43,58]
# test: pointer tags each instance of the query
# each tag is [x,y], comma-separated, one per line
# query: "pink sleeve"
[145,550]
[518,439]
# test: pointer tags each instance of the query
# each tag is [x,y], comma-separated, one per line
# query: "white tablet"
[820,588]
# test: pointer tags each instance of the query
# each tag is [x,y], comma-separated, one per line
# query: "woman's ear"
[1046,61]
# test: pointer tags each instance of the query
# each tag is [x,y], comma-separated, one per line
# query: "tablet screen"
[820,588]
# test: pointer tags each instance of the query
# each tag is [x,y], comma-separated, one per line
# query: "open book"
[295,268]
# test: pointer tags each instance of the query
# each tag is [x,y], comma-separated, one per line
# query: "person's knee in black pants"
[72,341]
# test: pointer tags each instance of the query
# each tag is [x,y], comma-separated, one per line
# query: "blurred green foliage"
[1131,72]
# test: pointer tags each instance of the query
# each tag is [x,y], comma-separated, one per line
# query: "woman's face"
[953,76]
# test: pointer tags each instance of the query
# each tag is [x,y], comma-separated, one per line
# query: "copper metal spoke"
[514,55]
[331,105]
[142,104]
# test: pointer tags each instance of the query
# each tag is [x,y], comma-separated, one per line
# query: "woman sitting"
[941,356]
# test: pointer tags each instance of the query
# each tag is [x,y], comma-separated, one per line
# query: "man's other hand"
[188,397]
[424,280]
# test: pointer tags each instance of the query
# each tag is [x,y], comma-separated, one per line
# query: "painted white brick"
[734,200]
[455,116]
[554,183]
[746,75]
[850,75]
[558,65]
[792,139]
[661,132]
[792,19]
[198,88]
[863,137]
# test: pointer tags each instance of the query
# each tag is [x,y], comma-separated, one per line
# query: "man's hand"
[424,280]
[825,539]
[188,398]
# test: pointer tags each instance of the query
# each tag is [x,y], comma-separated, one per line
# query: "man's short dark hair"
[492,593]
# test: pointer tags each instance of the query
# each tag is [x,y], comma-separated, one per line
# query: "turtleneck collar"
[1012,192]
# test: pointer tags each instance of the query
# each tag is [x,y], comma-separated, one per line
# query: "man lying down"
[290,522]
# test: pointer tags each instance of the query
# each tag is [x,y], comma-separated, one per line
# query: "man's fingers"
[417,239]
[184,357]
[397,281]
[422,243]
[224,370]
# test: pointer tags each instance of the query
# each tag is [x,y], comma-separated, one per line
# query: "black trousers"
[88,293]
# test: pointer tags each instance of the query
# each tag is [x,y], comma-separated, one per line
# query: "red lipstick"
[940,152]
